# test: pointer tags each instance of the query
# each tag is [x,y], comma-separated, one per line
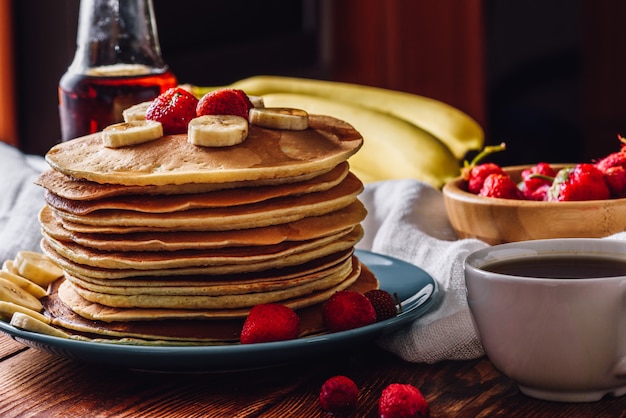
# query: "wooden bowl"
[497,221]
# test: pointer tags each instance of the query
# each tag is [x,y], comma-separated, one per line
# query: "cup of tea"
[551,315]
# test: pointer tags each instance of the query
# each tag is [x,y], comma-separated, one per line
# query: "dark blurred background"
[545,76]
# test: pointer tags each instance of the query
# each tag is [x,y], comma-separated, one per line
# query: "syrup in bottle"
[117,64]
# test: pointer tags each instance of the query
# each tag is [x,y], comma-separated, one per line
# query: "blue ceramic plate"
[415,289]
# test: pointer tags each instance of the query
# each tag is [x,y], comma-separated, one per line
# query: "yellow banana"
[30,323]
[7,309]
[392,149]
[9,292]
[9,267]
[456,129]
[37,267]
[32,288]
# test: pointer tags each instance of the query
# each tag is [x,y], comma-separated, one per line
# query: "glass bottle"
[117,63]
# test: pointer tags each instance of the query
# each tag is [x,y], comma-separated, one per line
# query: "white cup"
[559,339]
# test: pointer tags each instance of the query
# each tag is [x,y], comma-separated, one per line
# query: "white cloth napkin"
[20,201]
[407,220]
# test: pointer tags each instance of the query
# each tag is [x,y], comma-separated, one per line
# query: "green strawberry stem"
[488,150]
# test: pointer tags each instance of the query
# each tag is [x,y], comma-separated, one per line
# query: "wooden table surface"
[36,383]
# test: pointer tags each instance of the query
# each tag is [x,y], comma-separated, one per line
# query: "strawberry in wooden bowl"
[506,204]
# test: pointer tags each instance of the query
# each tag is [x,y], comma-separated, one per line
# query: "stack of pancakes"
[174,242]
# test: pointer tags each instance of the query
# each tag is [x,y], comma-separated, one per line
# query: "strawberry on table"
[347,309]
[270,322]
[174,109]
[582,182]
[402,401]
[339,395]
[225,102]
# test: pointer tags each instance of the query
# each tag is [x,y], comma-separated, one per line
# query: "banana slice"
[136,112]
[131,133]
[32,288]
[10,292]
[29,323]
[257,101]
[9,267]
[8,309]
[279,118]
[217,130]
[37,268]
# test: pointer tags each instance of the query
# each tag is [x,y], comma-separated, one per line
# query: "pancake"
[150,331]
[211,300]
[83,270]
[171,159]
[79,189]
[218,287]
[301,230]
[89,309]
[158,260]
[215,199]
[276,211]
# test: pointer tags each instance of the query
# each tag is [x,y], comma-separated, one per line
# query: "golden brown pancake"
[78,301]
[275,211]
[265,154]
[230,285]
[80,189]
[212,300]
[181,202]
[160,260]
[83,270]
[301,230]
[268,275]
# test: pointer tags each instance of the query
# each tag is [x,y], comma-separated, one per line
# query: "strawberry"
[615,178]
[224,102]
[383,303]
[500,185]
[613,167]
[339,395]
[478,174]
[174,109]
[584,181]
[347,309]
[475,174]
[270,322]
[536,181]
[402,401]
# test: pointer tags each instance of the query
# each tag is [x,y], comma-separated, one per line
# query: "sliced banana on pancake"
[279,118]
[131,133]
[217,130]
[136,112]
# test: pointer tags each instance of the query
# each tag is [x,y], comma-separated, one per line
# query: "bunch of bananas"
[406,135]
